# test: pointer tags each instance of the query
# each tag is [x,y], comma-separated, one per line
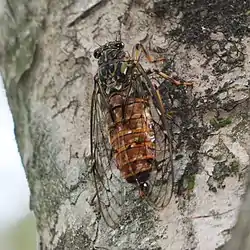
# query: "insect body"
[132,137]
[130,133]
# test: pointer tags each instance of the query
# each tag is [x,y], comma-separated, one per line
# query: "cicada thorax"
[114,76]
[131,136]
[113,70]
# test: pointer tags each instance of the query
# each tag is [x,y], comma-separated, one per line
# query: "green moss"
[218,157]
[220,123]
[222,171]
[234,167]
[191,182]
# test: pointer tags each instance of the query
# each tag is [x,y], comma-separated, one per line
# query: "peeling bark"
[48,67]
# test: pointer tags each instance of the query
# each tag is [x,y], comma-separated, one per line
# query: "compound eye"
[97,53]
[120,45]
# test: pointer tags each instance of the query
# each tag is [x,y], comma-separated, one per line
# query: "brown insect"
[130,136]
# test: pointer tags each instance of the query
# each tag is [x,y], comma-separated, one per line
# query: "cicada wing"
[107,180]
[162,176]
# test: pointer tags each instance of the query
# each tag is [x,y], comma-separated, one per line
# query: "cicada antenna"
[118,33]
[96,43]
[118,37]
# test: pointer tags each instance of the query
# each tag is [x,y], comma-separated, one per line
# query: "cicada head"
[109,52]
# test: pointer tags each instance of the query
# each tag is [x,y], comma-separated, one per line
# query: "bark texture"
[48,68]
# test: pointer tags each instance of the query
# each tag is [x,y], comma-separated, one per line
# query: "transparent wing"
[107,180]
[162,177]
[110,186]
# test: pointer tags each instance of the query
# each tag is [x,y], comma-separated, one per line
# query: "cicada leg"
[136,54]
[138,49]
[167,77]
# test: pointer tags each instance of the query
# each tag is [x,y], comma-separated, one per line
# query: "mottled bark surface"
[48,67]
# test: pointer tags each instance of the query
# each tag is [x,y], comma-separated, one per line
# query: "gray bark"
[48,68]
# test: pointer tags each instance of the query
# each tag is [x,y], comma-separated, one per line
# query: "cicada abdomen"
[132,137]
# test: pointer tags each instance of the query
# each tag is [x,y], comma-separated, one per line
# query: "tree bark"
[48,68]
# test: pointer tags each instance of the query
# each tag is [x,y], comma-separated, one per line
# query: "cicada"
[130,134]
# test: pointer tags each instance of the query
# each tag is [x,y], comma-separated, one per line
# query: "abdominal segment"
[131,136]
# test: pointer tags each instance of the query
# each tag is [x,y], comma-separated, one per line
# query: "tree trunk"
[48,68]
